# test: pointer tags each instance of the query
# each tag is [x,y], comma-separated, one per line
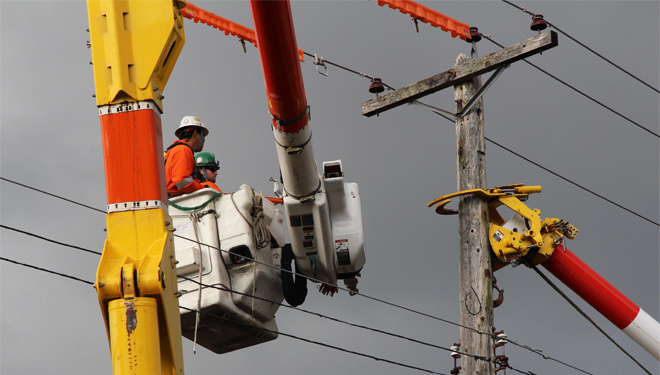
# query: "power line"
[49,240]
[347,290]
[303,310]
[586,47]
[578,309]
[578,91]
[550,171]
[513,152]
[47,270]
[320,343]
[317,314]
[265,264]
[234,321]
[572,182]
[332,319]
[546,357]
[51,194]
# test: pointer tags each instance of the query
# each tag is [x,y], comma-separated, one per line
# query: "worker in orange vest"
[180,168]
[208,167]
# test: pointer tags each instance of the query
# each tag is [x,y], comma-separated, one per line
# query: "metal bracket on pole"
[472,101]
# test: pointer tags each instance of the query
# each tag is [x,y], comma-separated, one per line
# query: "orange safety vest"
[181,170]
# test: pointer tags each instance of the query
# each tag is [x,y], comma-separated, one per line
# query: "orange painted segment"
[275,200]
[133,156]
[198,14]
[430,16]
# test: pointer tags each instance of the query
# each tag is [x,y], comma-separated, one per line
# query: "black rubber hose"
[294,287]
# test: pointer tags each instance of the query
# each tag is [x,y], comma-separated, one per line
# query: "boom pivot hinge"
[524,238]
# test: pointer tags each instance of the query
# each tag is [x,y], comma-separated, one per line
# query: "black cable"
[322,61]
[560,176]
[578,91]
[49,240]
[586,47]
[381,301]
[350,291]
[46,270]
[318,343]
[252,296]
[333,319]
[546,357]
[234,321]
[520,371]
[268,265]
[226,251]
[547,280]
[572,182]
[519,155]
[52,195]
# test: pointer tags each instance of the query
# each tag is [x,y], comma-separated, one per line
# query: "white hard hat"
[190,122]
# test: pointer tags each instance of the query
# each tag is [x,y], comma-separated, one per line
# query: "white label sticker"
[498,236]
[341,244]
[183,228]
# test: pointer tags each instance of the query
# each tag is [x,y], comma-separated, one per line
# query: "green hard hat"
[207,160]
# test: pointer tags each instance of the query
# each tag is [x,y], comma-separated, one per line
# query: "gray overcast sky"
[404,158]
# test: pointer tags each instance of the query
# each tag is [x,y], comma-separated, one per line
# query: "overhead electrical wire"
[508,149]
[294,273]
[578,91]
[47,270]
[579,310]
[379,359]
[327,317]
[269,265]
[245,294]
[335,319]
[49,240]
[322,344]
[52,195]
[573,182]
[349,291]
[524,10]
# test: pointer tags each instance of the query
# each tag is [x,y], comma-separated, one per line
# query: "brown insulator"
[502,360]
[376,86]
[538,23]
[475,35]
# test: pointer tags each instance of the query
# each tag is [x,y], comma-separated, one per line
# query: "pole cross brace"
[460,74]
[470,104]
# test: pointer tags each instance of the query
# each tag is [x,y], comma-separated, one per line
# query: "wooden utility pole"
[474,256]
[476,304]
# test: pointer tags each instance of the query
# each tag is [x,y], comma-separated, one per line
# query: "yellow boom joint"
[524,238]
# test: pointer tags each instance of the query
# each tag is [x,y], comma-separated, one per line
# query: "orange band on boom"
[133,155]
[430,16]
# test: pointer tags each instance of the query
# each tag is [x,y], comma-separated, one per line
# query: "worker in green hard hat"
[208,168]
